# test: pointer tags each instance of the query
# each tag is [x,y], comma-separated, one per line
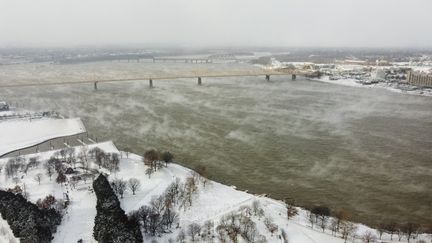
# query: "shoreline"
[353,83]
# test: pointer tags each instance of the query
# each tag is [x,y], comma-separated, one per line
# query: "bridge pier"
[267,77]
[293,77]
[95,85]
[150,83]
[199,81]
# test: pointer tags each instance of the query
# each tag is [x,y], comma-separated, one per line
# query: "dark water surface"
[366,150]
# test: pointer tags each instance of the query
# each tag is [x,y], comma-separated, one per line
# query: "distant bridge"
[265,73]
[182,59]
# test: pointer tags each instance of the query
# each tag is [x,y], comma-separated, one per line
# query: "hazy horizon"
[205,23]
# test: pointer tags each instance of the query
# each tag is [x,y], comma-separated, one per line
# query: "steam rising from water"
[367,150]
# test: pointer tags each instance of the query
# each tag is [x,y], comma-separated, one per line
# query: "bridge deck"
[153,77]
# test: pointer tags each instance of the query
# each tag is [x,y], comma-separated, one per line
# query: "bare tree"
[149,172]
[134,185]
[119,187]
[181,236]
[193,230]
[341,215]
[409,229]
[368,237]
[49,170]
[400,232]
[311,218]
[189,190]
[71,156]
[167,157]
[381,229]
[33,163]
[38,178]
[63,154]
[13,165]
[322,213]
[256,207]
[114,162]
[333,226]
[61,178]
[151,157]
[391,228]
[291,211]
[202,174]
[270,225]
[127,151]
[207,230]
[347,228]
[248,229]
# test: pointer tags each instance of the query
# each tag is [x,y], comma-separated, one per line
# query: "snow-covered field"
[24,133]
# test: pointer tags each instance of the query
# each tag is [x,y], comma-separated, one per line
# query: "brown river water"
[367,150]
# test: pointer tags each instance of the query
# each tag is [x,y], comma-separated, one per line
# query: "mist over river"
[366,150]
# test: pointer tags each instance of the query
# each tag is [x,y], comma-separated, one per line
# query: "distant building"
[382,62]
[378,74]
[420,79]
[355,62]
[4,106]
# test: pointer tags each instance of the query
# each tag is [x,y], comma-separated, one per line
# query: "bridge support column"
[199,81]
[150,83]
[95,85]
[267,77]
[293,77]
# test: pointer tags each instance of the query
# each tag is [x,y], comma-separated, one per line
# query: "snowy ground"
[6,235]
[211,203]
[24,133]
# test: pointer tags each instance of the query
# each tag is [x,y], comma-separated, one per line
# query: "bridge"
[182,59]
[199,77]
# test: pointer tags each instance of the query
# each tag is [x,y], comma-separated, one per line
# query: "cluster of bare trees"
[109,161]
[120,186]
[156,160]
[408,230]
[338,223]
[19,164]
[240,225]
[160,216]
[62,161]
[157,218]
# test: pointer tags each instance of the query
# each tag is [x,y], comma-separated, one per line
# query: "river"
[366,150]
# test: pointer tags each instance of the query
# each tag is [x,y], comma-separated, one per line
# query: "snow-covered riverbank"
[211,204]
[399,88]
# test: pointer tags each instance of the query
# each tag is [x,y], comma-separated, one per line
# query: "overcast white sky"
[190,23]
